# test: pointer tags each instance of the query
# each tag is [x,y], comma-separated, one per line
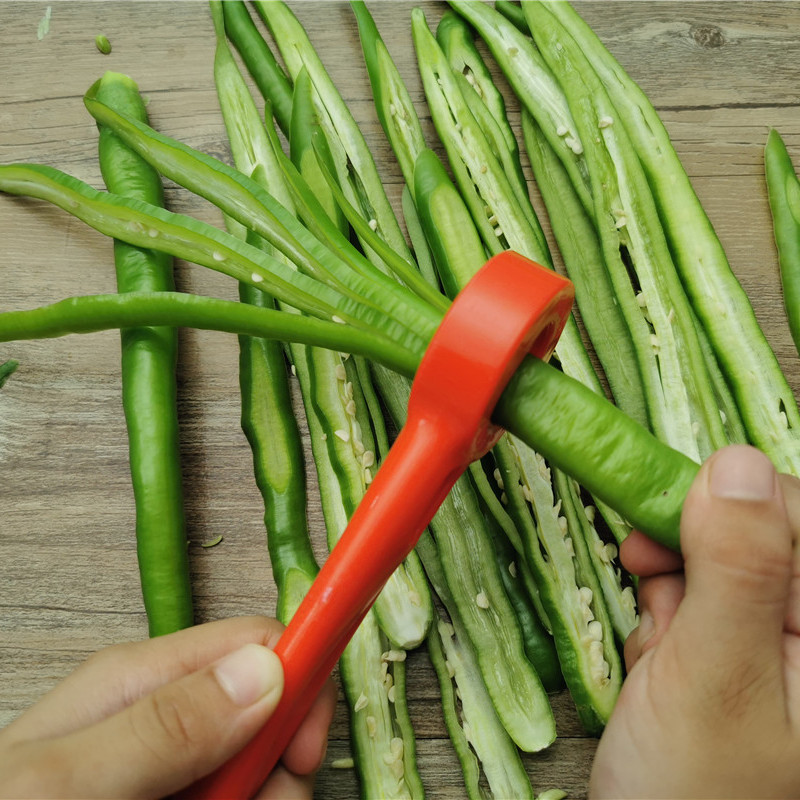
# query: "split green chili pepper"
[478,735]
[784,202]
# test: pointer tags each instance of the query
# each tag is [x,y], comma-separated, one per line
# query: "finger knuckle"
[170,719]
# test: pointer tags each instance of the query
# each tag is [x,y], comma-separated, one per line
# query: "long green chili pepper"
[392,101]
[443,215]
[259,60]
[403,129]
[565,577]
[620,600]
[338,392]
[422,251]
[401,123]
[404,270]
[271,429]
[488,107]
[355,167]
[645,483]
[533,83]
[149,388]
[93,313]
[784,202]
[469,564]
[538,643]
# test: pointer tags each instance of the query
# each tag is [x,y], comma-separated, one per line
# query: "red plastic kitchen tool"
[510,308]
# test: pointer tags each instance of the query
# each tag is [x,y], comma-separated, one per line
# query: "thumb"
[737,545]
[177,734]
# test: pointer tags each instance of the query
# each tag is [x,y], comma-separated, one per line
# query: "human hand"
[147,719]
[711,704]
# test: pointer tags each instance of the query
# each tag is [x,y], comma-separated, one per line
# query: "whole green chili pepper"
[784,202]
[93,313]
[645,483]
[149,387]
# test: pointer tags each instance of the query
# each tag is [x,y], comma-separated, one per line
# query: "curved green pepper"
[149,387]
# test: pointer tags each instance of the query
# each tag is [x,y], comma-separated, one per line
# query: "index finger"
[644,557]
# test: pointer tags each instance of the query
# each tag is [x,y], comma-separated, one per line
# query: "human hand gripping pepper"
[147,719]
[711,705]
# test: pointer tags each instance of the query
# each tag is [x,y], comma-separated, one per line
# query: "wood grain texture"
[720,73]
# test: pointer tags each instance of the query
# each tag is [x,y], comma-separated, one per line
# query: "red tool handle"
[511,307]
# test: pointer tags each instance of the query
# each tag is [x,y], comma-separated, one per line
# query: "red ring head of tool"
[512,307]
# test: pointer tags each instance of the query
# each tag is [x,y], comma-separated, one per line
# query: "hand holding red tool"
[511,308]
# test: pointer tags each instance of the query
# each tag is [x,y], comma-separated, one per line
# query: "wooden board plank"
[720,73]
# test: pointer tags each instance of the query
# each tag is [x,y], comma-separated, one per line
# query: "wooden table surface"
[720,73]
